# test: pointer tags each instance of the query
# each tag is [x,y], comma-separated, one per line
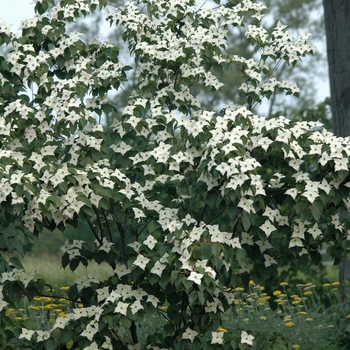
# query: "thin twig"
[202,214]
[99,224]
[94,231]
[108,227]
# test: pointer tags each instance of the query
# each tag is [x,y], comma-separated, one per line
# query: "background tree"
[298,15]
[337,21]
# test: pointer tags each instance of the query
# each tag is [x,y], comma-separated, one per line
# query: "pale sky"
[15,11]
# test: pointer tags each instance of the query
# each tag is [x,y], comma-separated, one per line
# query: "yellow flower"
[302,313]
[335,284]
[289,324]
[220,329]
[348,316]
[262,318]
[65,301]
[10,311]
[326,285]
[296,346]
[294,296]
[295,302]
[62,314]
[239,289]
[18,318]
[307,292]
[261,301]
[277,292]
[64,288]
[284,284]
[34,307]
[251,282]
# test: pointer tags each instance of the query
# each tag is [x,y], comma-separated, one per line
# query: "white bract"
[178,198]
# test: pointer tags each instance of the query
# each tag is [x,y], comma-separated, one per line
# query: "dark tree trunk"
[337,21]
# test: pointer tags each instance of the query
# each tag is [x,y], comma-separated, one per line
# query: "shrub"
[184,204]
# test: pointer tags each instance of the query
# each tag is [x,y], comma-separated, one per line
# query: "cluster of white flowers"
[192,192]
[19,275]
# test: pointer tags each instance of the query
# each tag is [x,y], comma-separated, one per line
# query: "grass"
[50,269]
[296,317]
[301,320]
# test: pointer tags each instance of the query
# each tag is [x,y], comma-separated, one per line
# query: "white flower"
[246,204]
[295,242]
[269,260]
[158,268]
[138,213]
[268,228]
[245,268]
[263,245]
[150,242]
[246,338]
[217,337]
[153,300]
[42,335]
[92,346]
[3,303]
[136,306]
[141,261]
[195,277]
[102,293]
[90,331]
[26,333]
[189,334]
[106,246]
[61,322]
[107,344]
[121,308]
[121,270]
[314,231]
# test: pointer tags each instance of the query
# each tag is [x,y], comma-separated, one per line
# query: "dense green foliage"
[185,204]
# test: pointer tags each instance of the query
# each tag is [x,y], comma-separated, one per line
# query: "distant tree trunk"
[337,21]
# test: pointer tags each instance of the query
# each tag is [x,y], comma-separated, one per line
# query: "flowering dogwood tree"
[185,204]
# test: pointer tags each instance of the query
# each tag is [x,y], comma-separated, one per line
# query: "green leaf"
[69,344]
[245,220]
[16,291]
[74,264]
[317,209]
[216,249]
[16,263]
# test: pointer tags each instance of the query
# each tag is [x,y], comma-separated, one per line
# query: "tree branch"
[202,214]
[94,231]
[108,227]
